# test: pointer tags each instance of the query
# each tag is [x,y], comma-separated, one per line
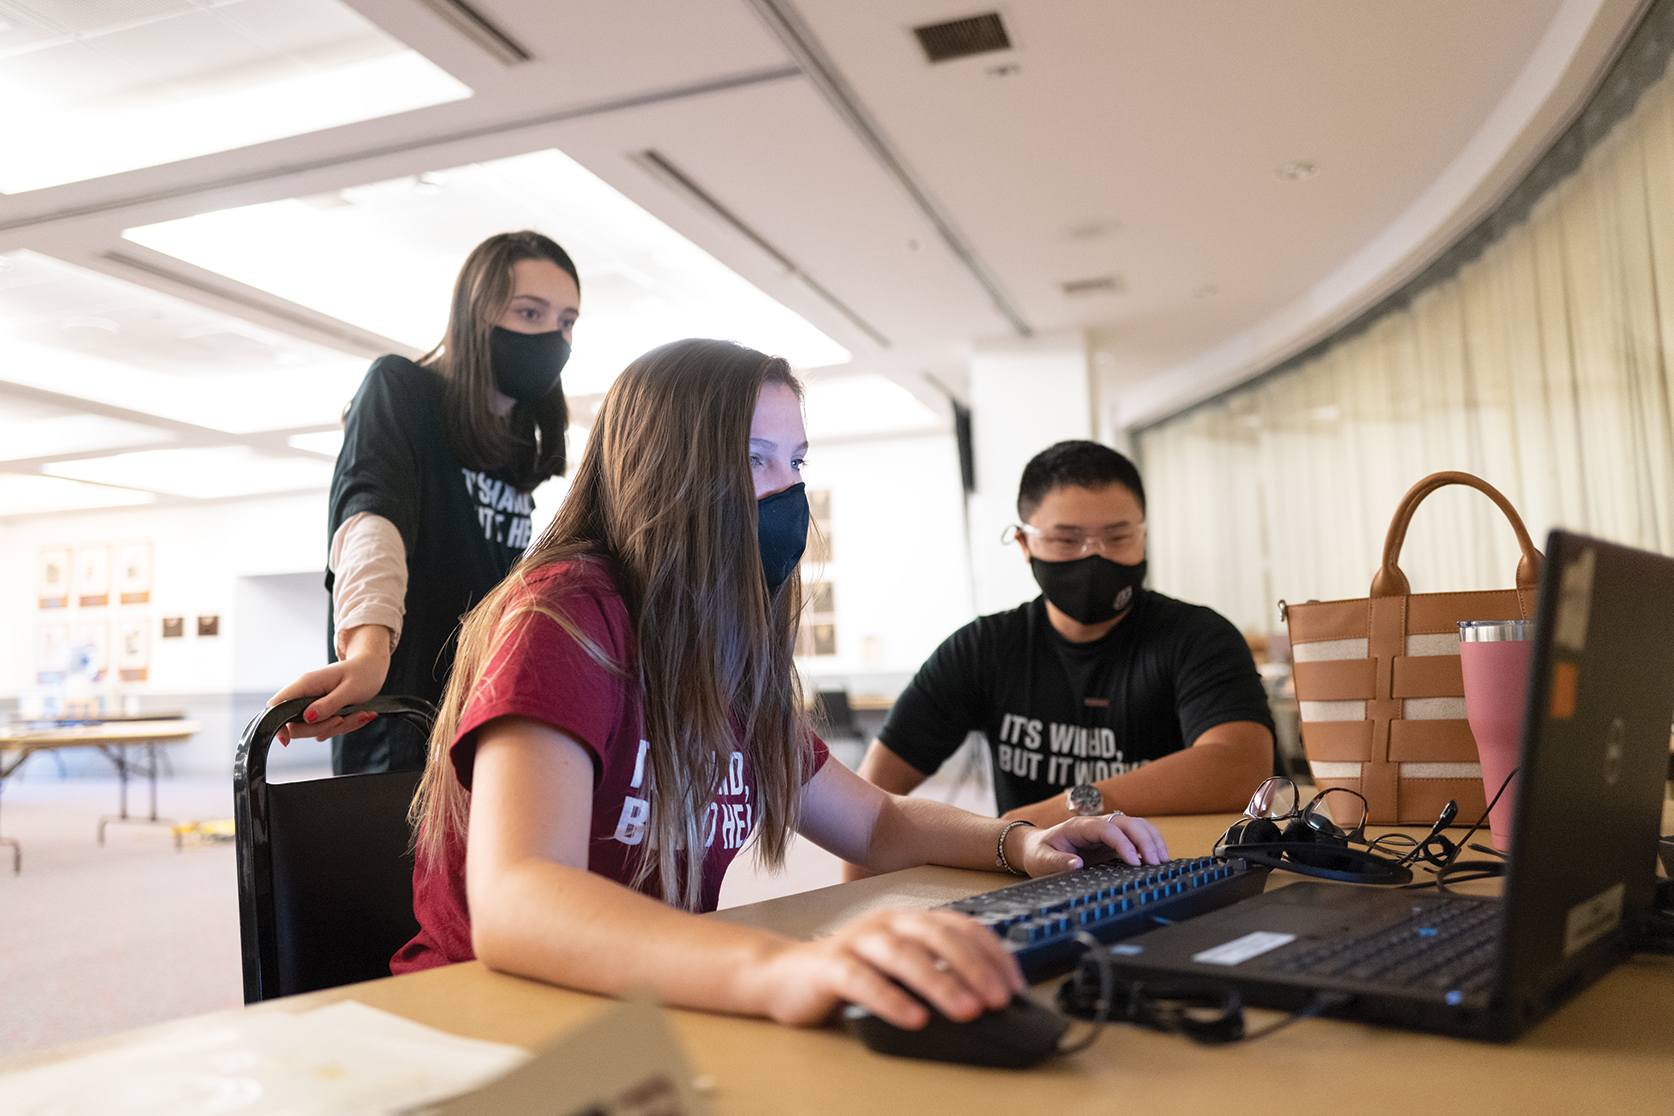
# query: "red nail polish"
[310,716]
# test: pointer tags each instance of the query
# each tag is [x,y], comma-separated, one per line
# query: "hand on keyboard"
[1093,840]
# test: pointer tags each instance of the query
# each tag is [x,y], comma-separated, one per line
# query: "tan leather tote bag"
[1382,700]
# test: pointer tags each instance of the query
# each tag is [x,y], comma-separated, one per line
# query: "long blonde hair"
[663,496]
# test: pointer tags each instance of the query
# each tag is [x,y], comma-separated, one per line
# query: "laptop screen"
[1594,762]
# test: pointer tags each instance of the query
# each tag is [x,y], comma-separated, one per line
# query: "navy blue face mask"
[782,528]
[526,365]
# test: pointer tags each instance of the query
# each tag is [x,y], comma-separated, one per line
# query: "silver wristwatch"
[1085,800]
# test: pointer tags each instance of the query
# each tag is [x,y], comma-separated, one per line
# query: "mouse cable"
[1210,1013]
[1320,1003]
[1107,992]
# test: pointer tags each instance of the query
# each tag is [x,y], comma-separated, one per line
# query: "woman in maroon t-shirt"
[623,715]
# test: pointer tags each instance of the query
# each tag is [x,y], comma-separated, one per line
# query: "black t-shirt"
[463,529]
[1058,713]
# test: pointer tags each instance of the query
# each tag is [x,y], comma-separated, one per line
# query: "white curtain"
[1542,367]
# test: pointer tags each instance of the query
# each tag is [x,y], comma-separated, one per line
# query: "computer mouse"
[1013,1037]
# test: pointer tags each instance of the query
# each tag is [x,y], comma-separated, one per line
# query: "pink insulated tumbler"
[1494,657]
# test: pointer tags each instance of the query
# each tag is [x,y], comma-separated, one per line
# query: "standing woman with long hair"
[624,716]
[430,501]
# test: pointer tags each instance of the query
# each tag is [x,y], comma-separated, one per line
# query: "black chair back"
[833,715]
[325,871]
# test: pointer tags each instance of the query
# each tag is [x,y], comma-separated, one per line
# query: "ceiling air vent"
[1103,284]
[960,38]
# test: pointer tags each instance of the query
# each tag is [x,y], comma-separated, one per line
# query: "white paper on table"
[343,1058]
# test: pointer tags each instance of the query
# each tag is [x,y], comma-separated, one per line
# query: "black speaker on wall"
[962,433]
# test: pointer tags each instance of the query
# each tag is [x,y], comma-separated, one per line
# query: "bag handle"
[1391,582]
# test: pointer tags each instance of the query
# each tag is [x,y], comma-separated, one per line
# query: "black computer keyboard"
[1444,944]
[1040,918]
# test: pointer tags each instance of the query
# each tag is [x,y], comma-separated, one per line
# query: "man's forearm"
[1211,777]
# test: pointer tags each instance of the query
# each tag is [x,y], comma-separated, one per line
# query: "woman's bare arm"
[538,912]
[883,832]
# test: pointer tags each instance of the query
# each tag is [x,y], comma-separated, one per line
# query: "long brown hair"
[663,495]
[530,444]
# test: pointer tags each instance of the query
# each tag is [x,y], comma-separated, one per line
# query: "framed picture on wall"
[133,571]
[52,653]
[52,577]
[817,634]
[92,575]
[819,526]
[90,649]
[133,649]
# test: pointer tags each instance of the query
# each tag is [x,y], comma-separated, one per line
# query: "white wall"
[1025,395]
[217,559]
[899,563]
[898,558]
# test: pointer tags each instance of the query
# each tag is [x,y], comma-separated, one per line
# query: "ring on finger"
[941,965]
[1114,814]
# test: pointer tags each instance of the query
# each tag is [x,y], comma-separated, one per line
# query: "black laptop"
[1583,852]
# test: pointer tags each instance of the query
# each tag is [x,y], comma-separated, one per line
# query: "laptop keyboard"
[1039,919]
[1443,945]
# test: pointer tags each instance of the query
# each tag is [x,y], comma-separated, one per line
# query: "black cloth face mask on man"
[526,365]
[782,529]
[1089,590]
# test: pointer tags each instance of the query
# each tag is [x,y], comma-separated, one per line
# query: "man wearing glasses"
[1099,695]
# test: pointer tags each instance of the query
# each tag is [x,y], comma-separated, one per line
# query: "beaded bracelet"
[1000,860]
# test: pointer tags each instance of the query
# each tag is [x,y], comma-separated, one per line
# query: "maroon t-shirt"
[539,670]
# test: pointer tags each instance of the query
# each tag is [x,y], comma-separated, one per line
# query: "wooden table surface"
[1611,1050]
[108,734]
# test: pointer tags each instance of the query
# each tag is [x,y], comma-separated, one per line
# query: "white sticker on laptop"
[1591,919]
[1239,950]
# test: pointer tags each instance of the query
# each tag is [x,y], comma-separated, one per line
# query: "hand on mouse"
[1089,840]
[956,965]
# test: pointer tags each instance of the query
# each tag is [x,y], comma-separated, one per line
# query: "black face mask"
[526,365]
[1089,590]
[782,527]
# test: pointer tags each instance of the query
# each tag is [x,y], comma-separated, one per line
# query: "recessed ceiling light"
[142,85]
[1295,172]
[103,325]
[326,442]
[1008,70]
[202,474]
[66,433]
[27,494]
[147,352]
[387,262]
